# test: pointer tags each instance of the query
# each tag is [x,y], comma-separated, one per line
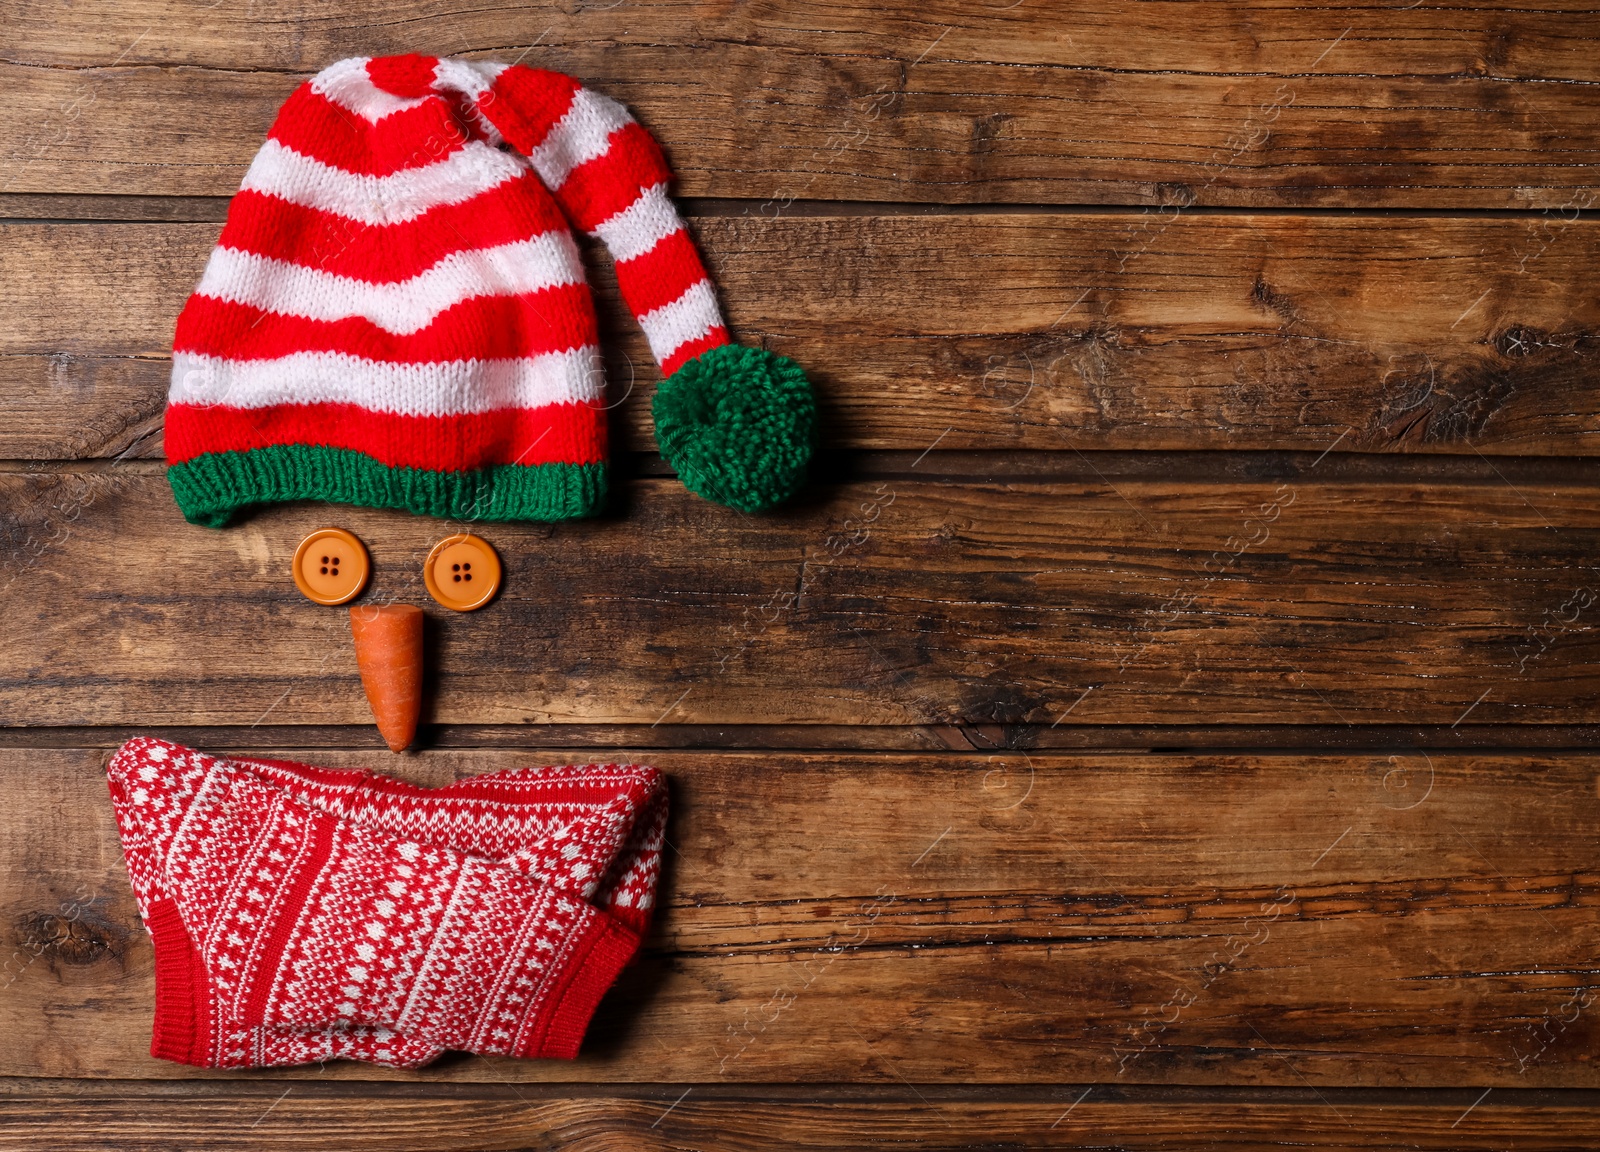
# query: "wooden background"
[1167,722]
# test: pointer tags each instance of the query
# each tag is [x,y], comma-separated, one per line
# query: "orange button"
[331,566]
[462,572]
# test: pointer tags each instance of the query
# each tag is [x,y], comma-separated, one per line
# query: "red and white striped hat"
[396,313]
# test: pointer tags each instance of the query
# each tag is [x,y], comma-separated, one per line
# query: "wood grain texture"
[904,601]
[1496,39]
[1398,920]
[1254,104]
[1053,332]
[330,1116]
[1076,498]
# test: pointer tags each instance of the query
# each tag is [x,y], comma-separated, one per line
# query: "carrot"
[389,653]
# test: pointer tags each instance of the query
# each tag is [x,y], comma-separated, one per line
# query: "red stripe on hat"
[598,189]
[553,434]
[519,209]
[689,349]
[485,327]
[661,275]
[316,127]
[525,103]
[406,76]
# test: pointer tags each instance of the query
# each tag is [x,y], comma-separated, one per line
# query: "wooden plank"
[903,601]
[239,1115]
[1251,36]
[1253,104]
[1381,920]
[1054,332]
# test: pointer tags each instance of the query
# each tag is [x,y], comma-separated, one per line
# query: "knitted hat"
[396,313]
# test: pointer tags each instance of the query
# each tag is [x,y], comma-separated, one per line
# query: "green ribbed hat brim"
[212,487]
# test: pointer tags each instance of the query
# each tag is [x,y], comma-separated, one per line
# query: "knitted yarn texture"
[396,313]
[302,914]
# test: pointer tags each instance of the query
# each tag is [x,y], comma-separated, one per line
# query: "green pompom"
[738,424]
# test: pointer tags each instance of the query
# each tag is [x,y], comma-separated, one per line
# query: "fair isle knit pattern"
[303,920]
[396,313]
[559,826]
[593,832]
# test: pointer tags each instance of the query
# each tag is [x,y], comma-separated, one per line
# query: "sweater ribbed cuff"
[183,1016]
[590,972]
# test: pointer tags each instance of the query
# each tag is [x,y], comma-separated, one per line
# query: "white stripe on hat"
[583,134]
[402,306]
[472,78]
[641,225]
[447,388]
[689,317]
[469,171]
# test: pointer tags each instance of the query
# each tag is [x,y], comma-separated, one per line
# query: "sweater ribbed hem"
[591,971]
[183,1017]
[209,488]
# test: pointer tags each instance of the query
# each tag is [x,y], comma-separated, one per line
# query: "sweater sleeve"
[610,178]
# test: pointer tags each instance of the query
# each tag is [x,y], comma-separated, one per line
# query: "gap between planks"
[89,208]
[911,741]
[268,1085]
